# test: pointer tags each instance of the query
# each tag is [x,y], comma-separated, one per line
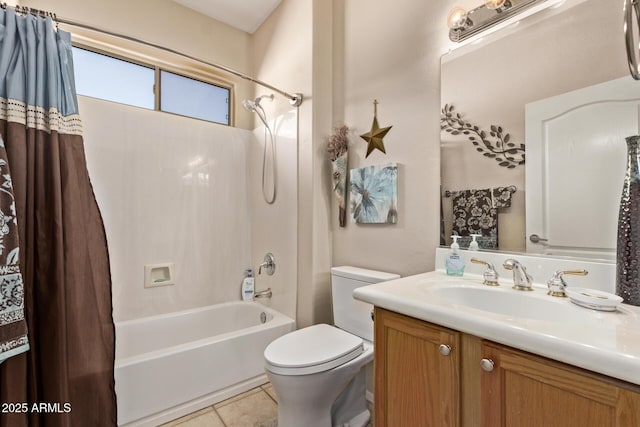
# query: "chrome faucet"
[557,285]
[521,279]
[263,294]
[490,275]
[269,264]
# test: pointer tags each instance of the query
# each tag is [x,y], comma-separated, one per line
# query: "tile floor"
[257,407]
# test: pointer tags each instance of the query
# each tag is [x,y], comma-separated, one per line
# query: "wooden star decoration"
[376,134]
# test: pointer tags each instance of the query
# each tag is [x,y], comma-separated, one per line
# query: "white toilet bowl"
[318,372]
[320,381]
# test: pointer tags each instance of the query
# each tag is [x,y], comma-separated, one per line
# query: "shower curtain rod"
[294,99]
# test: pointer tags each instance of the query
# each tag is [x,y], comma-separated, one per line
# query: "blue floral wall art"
[374,194]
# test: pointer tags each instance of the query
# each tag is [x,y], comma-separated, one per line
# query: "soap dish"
[595,300]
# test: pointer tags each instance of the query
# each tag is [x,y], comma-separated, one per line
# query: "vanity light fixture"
[457,19]
[463,24]
[495,4]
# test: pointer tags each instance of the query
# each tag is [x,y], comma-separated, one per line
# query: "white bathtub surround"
[170,365]
[188,192]
[274,227]
[171,189]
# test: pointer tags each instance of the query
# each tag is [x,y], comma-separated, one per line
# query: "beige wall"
[292,50]
[390,51]
[168,24]
[342,55]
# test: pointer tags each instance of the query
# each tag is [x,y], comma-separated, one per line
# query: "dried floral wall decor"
[338,154]
[495,144]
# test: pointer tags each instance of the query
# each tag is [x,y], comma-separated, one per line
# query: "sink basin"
[509,302]
[607,342]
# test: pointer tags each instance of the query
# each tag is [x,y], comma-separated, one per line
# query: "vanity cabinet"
[416,380]
[527,390]
[482,383]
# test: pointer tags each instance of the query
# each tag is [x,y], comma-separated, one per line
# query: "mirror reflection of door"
[574,45]
[576,161]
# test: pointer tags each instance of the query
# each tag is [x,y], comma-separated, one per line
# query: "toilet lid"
[310,350]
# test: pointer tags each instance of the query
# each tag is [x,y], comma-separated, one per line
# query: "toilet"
[318,372]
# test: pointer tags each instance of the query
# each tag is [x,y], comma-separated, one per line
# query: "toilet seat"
[311,350]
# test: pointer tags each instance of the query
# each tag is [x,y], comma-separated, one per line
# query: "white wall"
[171,190]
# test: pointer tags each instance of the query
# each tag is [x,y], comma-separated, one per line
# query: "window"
[193,98]
[104,77]
[113,79]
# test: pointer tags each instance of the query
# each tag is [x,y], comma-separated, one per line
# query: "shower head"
[252,106]
[249,105]
[255,107]
[258,99]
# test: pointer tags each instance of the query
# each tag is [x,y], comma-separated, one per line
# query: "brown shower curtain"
[66,378]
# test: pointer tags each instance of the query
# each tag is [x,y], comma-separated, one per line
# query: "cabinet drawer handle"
[445,350]
[486,365]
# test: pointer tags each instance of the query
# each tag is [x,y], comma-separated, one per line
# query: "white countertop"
[603,342]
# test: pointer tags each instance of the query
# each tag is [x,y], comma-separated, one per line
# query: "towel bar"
[448,193]
[629,7]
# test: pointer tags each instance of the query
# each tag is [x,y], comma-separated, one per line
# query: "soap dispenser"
[454,263]
[473,246]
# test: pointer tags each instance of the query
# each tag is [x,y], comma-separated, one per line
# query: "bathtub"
[173,364]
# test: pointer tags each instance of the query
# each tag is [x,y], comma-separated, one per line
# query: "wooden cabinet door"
[415,385]
[525,390]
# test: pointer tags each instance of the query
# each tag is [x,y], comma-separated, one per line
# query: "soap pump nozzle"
[455,246]
[473,246]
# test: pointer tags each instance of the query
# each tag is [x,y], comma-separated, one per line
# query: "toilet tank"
[349,314]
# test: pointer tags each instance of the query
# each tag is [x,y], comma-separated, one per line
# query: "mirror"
[488,85]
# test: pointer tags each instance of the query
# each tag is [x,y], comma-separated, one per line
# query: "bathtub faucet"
[269,264]
[263,294]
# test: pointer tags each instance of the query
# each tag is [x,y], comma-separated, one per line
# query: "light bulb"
[494,4]
[457,18]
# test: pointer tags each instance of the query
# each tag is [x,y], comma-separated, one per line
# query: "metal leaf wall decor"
[501,149]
